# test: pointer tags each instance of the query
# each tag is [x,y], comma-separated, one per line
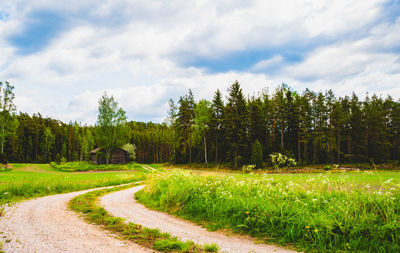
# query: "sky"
[61,56]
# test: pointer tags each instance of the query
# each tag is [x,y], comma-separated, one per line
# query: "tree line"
[38,139]
[312,127]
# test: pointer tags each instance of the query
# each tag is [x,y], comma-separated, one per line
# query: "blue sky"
[62,55]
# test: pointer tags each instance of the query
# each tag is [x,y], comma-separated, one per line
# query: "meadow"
[32,180]
[86,166]
[349,211]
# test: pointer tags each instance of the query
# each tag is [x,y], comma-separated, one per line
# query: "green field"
[31,180]
[353,211]
[85,166]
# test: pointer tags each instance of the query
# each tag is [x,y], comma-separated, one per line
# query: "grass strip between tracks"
[87,206]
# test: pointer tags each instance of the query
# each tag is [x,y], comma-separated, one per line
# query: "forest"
[311,126]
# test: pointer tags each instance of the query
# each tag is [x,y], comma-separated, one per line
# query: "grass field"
[353,211]
[85,166]
[31,180]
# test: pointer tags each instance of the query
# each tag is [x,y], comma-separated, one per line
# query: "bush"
[281,161]
[85,166]
[256,154]
[248,168]
[327,167]
[131,149]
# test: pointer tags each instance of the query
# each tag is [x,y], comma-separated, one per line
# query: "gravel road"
[47,225]
[123,204]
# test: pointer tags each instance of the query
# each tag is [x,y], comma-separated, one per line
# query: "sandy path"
[146,167]
[123,204]
[47,225]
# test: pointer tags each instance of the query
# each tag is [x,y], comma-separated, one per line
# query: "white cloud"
[133,49]
[265,64]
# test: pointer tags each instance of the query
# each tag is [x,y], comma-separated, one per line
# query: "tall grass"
[315,213]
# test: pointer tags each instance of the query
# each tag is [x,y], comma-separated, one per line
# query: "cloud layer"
[62,56]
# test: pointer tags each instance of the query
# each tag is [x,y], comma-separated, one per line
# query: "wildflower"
[315,230]
[247,212]
[388,181]
[307,227]
[5,193]
[314,200]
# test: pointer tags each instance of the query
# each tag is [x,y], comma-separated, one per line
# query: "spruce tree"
[256,154]
[217,121]
[236,119]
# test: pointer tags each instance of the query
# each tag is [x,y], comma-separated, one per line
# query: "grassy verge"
[326,212]
[86,205]
[32,180]
[85,166]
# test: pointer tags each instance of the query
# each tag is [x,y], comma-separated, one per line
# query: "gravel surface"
[47,225]
[123,204]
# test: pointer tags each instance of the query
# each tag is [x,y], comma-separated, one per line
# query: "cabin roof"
[95,151]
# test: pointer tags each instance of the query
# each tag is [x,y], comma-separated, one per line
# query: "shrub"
[281,161]
[131,149]
[248,168]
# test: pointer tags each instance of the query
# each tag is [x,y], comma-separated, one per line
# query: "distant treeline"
[38,139]
[313,127]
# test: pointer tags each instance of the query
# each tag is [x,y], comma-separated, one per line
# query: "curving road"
[47,225]
[123,204]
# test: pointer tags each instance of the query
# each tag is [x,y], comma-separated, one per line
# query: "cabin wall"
[118,156]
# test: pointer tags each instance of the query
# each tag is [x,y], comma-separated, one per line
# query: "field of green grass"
[352,211]
[85,166]
[31,180]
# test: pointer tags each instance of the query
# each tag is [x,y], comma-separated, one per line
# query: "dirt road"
[46,225]
[123,204]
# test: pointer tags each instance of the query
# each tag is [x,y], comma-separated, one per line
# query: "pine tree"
[185,123]
[47,143]
[172,123]
[217,120]
[236,119]
[256,120]
[256,154]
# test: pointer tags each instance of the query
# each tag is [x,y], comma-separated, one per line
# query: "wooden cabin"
[118,156]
